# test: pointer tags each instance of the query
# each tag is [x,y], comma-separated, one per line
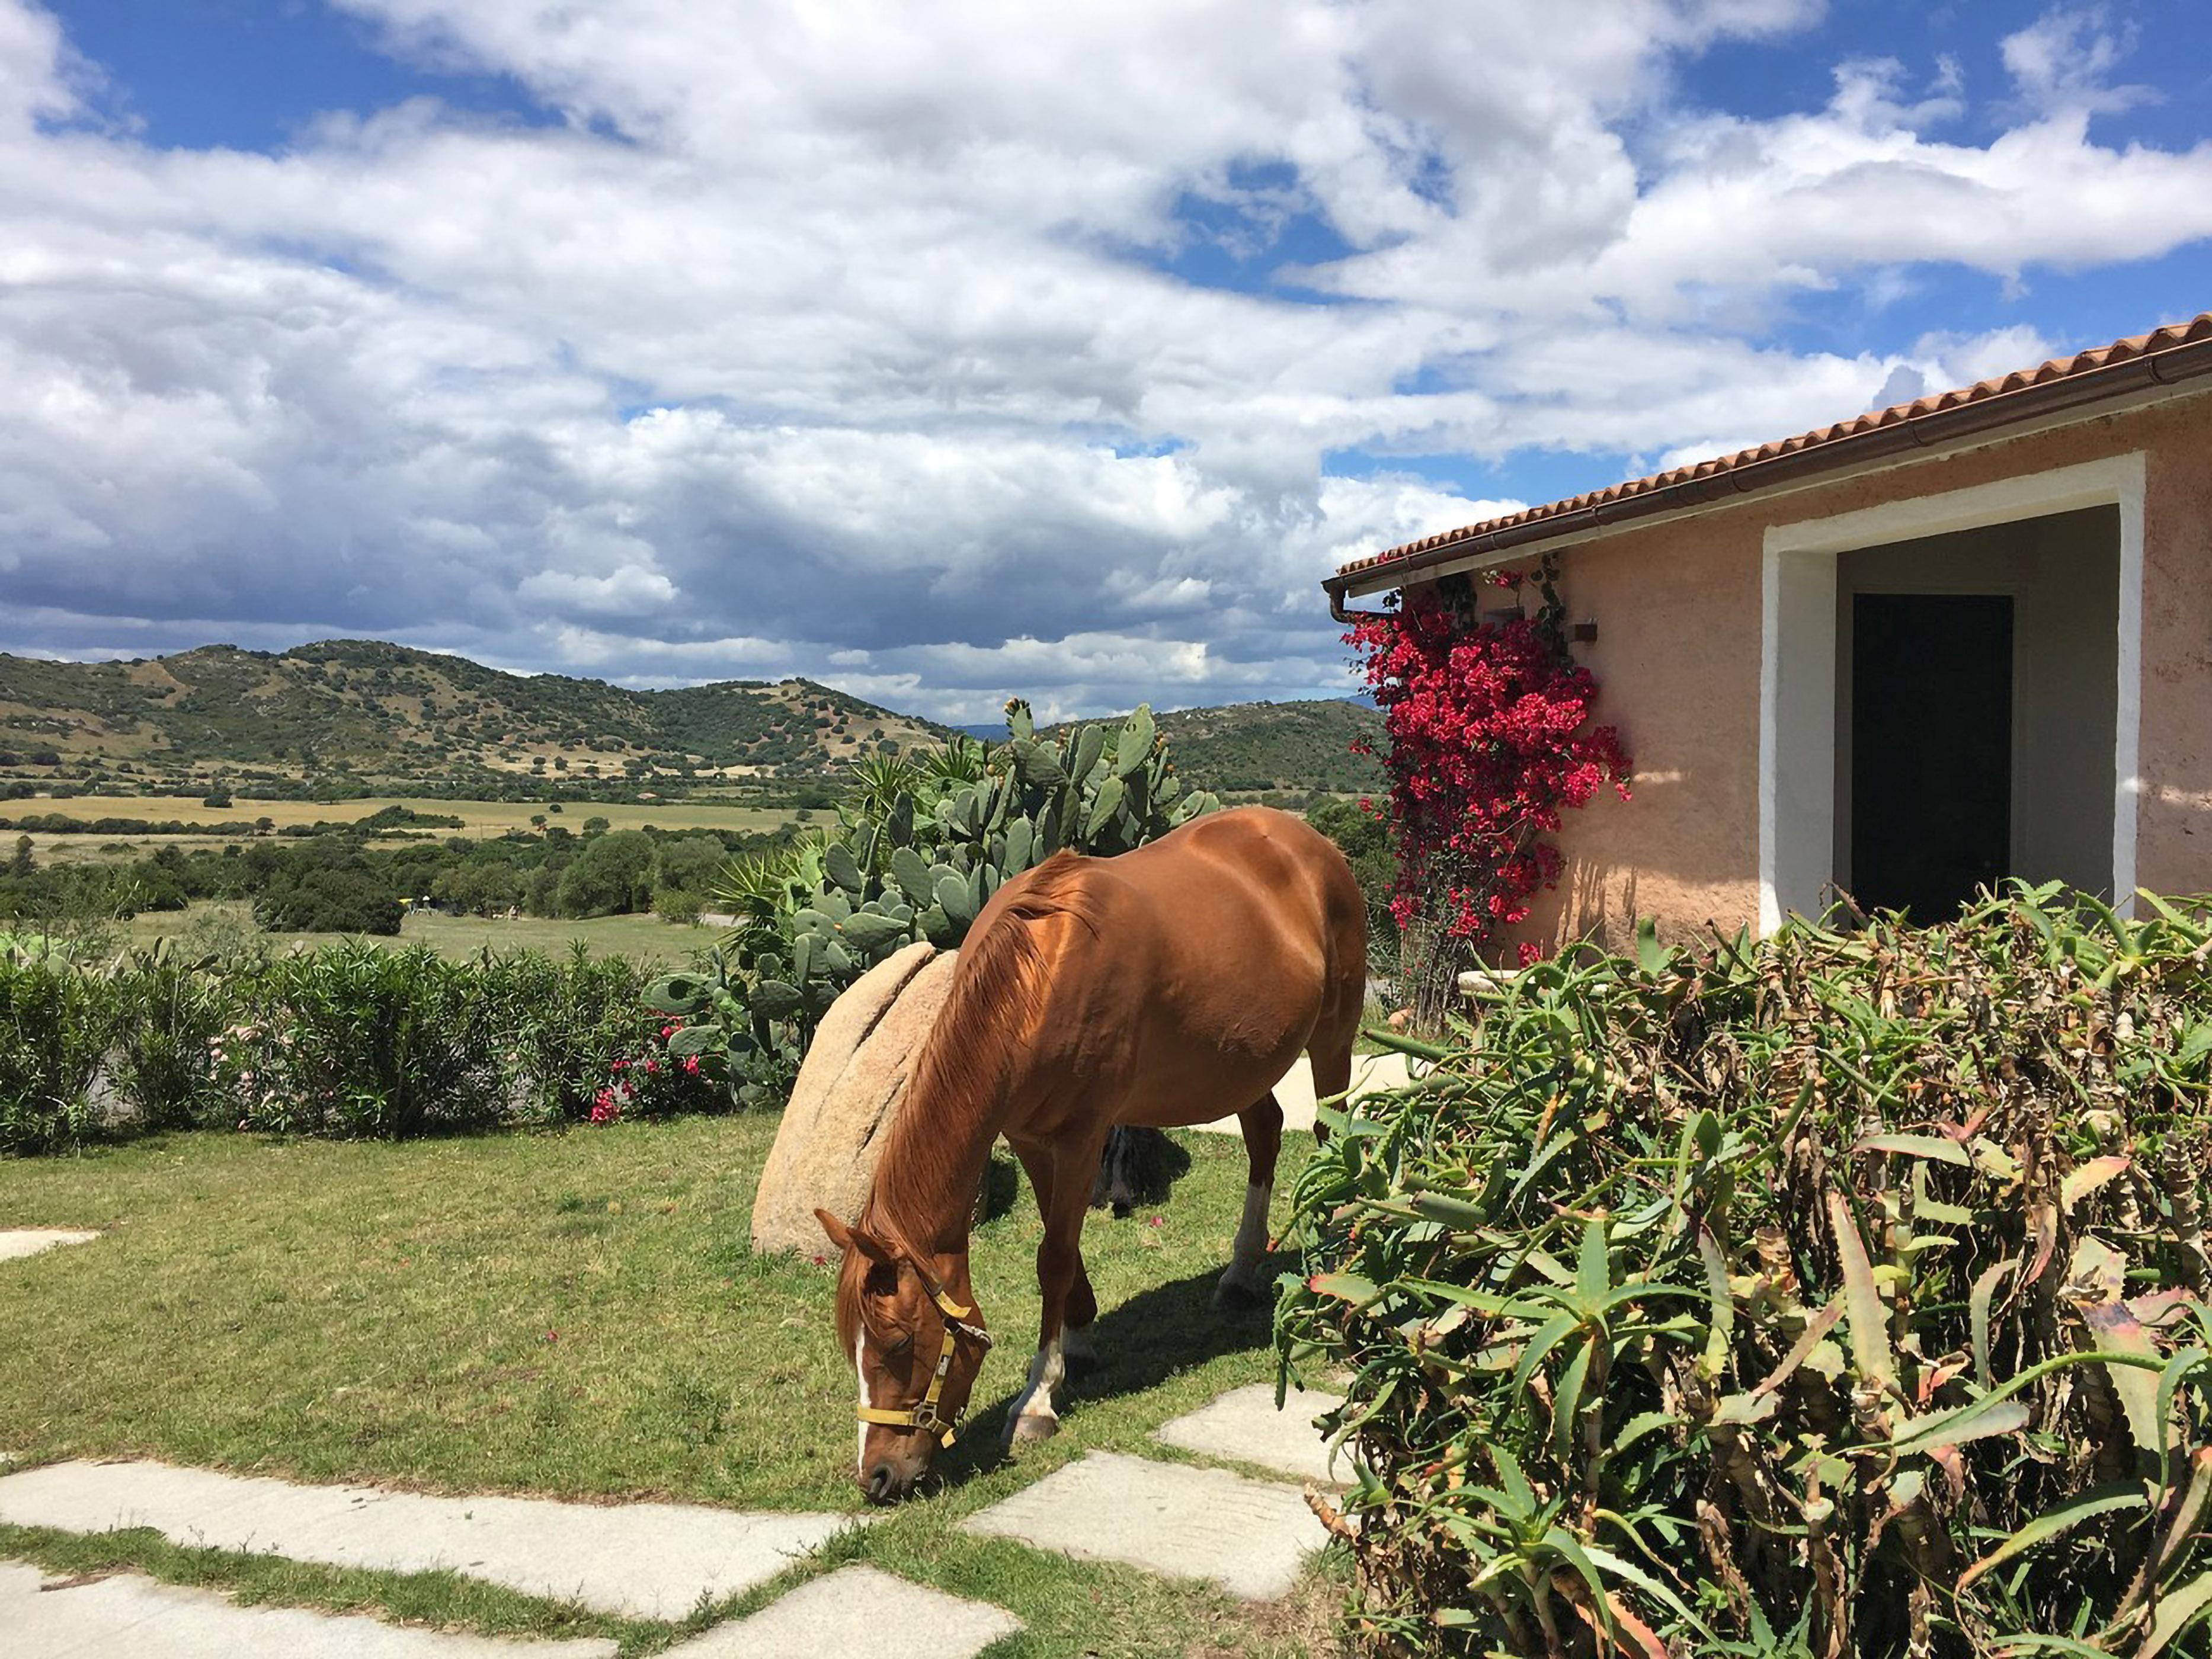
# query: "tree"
[611,876]
[690,862]
[22,863]
[331,900]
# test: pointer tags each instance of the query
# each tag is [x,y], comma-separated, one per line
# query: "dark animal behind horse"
[1171,986]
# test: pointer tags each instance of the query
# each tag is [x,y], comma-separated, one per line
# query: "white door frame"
[1797,661]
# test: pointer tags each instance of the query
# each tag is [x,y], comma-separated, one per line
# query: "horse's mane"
[997,993]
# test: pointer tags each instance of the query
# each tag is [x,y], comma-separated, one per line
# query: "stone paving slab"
[856,1610]
[1371,1073]
[1245,1424]
[128,1616]
[1247,1536]
[639,1561]
[18,1242]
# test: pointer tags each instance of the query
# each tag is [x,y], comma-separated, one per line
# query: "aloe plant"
[1839,1294]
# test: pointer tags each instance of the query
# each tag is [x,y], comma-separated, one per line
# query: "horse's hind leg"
[1332,1072]
[1262,1123]
[1062,1176]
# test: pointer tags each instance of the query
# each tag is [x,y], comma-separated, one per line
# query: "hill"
[349,715]
[1288,747]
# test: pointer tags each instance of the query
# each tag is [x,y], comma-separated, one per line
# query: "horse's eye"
[899,1343]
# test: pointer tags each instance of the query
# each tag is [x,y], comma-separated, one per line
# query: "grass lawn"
[645,939]
[580,1314]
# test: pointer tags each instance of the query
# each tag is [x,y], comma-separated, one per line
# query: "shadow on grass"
[1141,1344]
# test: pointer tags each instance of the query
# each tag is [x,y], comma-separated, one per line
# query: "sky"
[948,352]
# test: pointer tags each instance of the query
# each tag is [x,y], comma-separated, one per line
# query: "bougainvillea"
[1491,740]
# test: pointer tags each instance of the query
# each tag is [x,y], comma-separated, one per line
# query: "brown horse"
[1170,986]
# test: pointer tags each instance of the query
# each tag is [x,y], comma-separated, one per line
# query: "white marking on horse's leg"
[1251,1246]
[1034,1403]
[861,1453]
[1076,1343]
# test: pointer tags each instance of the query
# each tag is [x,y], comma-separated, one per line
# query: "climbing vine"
[1489,740]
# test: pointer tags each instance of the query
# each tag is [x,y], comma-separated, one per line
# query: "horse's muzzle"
[885,1482]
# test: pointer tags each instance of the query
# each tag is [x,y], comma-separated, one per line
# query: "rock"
[848,1093]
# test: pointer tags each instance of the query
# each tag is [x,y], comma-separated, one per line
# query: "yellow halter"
[924,1414]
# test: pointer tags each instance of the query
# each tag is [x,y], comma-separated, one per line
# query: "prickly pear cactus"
[919,849]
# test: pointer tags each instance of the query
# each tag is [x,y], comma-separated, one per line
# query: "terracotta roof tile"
[2168,338]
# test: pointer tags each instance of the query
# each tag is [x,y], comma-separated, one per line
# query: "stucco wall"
[1677,661]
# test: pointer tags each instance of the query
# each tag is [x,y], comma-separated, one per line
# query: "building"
[1963,637]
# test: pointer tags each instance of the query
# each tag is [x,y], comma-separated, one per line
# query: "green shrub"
[565,1024]
[361,1041]
[172,1012]
[329,899]
[56,1024]
[612,876]
[1839,1295]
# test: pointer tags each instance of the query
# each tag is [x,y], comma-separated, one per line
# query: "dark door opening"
[1931,748]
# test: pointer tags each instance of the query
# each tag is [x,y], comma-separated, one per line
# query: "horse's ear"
[853,1238]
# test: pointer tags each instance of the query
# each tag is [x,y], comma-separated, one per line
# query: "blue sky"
[941,358]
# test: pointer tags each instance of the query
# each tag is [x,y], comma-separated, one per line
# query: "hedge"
[350,1040]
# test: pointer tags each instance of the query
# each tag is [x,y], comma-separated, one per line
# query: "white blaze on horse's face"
[860,1370]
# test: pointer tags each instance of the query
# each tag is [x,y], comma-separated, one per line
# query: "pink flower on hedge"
[691,1064]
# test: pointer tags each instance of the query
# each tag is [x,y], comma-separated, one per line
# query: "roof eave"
[1911,436]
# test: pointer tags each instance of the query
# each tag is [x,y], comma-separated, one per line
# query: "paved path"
[1295,1093]
[1243,1426]
[16,1242]
[650,1561]
[639,1561]
[126,1616]
[856,1610]
[1247,1536]
[1250,1537]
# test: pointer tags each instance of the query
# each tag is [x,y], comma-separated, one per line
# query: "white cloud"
[2061,62]
[826,338]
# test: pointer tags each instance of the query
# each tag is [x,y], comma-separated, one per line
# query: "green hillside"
[360,717]
[1288,747]
[346,711]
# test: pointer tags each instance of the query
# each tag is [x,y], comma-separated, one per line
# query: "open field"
[580,1314]
[479,817]
[643,938]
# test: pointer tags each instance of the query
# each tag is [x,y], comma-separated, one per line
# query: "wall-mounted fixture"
[1583,632]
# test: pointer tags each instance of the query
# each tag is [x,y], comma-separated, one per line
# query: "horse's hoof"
[1230,1297]
[1035,1425]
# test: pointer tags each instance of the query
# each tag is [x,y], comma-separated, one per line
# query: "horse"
[1165,986]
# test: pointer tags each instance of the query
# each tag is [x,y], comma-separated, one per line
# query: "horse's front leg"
[1059,1266]
[1262,1123]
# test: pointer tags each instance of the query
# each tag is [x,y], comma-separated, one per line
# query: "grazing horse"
[1167,986]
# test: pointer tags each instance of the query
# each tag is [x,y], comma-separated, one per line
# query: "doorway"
[1931,748]
[2065,545]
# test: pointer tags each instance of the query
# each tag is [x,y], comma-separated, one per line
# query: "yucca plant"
[1842,1294]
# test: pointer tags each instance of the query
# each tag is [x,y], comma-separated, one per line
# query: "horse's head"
[917,1342]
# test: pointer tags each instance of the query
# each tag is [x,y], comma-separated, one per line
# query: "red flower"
[691,1064]
[1489,742]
